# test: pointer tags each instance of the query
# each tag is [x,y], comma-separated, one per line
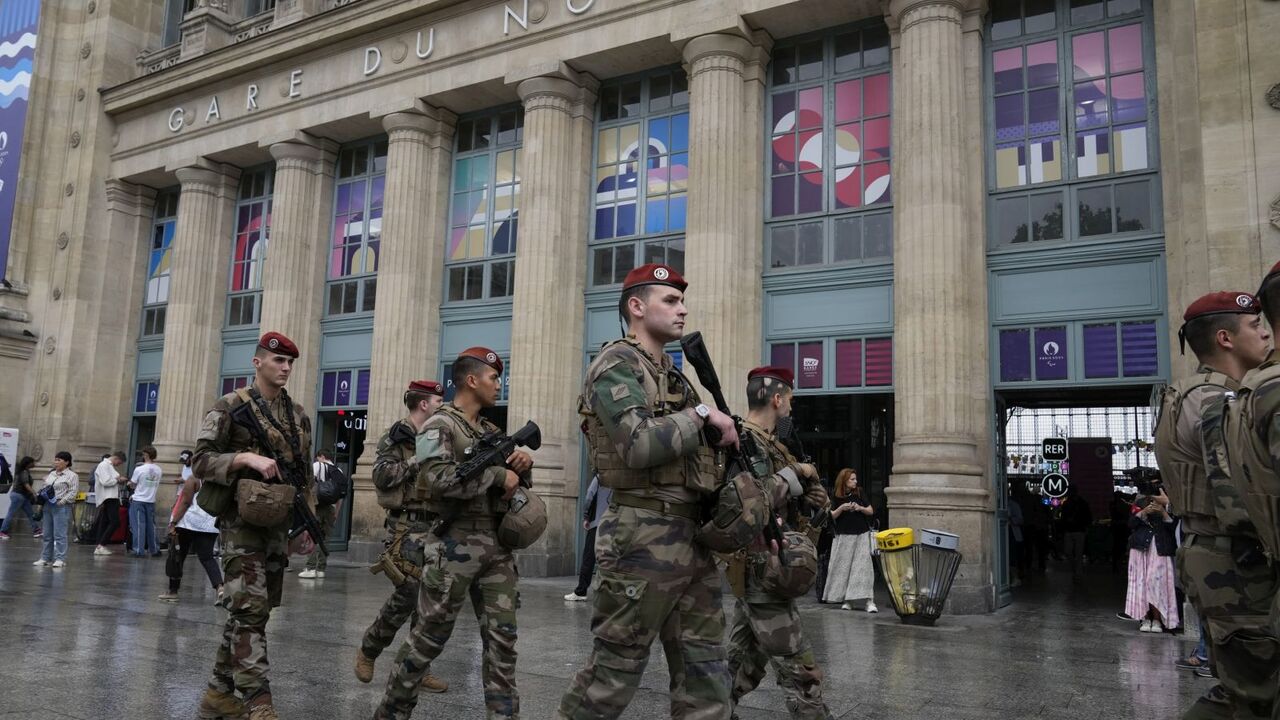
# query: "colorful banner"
[19,20]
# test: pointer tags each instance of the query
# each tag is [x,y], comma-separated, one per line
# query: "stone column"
[940,458]
[419,152]
[723,244]
[547,316]
[199,260]
[293,272]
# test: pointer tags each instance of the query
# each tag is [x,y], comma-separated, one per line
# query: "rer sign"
[1053,449]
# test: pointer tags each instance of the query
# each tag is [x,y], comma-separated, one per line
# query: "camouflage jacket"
[396,477]
[1248,424]
[221,439]
[1180,449]
[447,439]
[641,441]
[785,468]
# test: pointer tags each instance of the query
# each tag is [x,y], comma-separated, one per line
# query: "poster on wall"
[18,24]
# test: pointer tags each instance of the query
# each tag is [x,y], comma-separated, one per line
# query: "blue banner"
[19,20]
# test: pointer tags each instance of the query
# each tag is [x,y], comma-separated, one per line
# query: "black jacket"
[1152,527]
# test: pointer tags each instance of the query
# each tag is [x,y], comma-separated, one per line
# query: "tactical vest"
[1249,457]
[1184,471]
[409,495]
[218,498]
[484,505]
[666,393]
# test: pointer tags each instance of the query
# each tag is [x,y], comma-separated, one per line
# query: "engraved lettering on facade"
[431,44]
[213,113]
[372,60]
[251,97]
[295,83]
[177,118]
[508,15]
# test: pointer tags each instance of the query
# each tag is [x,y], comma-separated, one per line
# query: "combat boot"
[217,705]
[433,684]
[364,666]
[263,710]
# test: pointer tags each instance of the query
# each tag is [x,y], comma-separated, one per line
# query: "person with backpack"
[190,528]
[331,487]
[21,499]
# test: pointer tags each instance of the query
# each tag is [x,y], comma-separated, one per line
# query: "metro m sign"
[1053,449]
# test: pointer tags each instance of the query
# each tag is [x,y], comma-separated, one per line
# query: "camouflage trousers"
[452,566]
[652,581]
[766,631]
[253,562]
[1234,601]
[328,516]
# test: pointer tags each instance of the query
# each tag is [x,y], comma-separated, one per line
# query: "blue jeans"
[18,501]
[1202,650]
[56,520]
[142,523]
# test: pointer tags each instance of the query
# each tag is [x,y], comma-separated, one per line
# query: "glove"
[815,496]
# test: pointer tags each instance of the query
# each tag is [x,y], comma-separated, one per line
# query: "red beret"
[1275,270]
[773,371]
[278,344]
[654,274]
[1220,303]
[430,387]
[484,355]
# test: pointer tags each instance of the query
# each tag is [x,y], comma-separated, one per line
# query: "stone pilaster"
[200,256]
[940,462]
[293,272]
[419,152]
[547,316]
[723,245]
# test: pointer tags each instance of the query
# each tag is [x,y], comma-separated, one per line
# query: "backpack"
[331,485]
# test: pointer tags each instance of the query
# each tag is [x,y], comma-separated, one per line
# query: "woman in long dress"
[850,577]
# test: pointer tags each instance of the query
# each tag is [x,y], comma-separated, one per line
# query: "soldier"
[766,628]
[1225,332]
[645,432]
[464,548]
[253,547]
[401,488]
[1242,447]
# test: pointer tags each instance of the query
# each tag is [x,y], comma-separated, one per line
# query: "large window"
[1071,134]
[249,248]
[841,363]
[484,220]
[829,150]
[344,388]
[357,228]
[642,175]
[159,258]
[1093,350]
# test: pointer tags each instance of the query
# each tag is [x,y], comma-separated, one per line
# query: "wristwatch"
[703,411]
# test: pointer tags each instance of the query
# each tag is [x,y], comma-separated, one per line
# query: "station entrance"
[1108,431]
[849,431]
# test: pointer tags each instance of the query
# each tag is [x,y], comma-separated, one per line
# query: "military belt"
[476,523]
[689,511]
[1221,543]
[413,516]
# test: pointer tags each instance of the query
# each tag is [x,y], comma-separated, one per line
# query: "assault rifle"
[304,519]
[748,456]
[492,449]
[790,436]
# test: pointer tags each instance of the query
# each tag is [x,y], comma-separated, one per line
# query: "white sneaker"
[871,607]
[307,574]
[1145,626]
[41,563]
[58,564]
[846,606]
[575,597]
[101,551]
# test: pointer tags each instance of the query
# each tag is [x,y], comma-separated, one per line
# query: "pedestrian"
[1075,517]
[464,550]
[144,482]
[323,470]
[106,494]
[21,499]
[766,624]
[1226,333]
[65,485]
[403,491]
[850,576]
[1036,521]
[254,534]
[1151,596]
[191,528]
[645,437]
[1017,538]
[594,508]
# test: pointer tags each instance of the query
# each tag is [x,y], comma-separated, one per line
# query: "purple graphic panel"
[1051,353]
[1139,351]
[810,375]
[18,24]
[1015,355]
[1100,359]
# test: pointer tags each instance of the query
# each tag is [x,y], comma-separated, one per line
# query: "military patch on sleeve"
[433,434]
[620,391]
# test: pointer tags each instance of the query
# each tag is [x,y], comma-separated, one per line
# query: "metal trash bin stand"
[937,558]
[897,565]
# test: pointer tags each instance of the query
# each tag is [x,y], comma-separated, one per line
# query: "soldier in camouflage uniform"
[402,489]
[644,426]
[468,552]
[1227,337]
[253,557]
[766,628]
[1246,450]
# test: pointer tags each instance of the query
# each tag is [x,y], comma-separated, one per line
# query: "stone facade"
[290,88]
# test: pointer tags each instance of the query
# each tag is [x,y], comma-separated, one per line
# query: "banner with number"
[19,20]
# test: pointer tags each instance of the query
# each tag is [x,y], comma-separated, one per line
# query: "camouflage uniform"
[468,554]
[328,517]
[253,558]
[766,629]
[653,578]
[1242,447]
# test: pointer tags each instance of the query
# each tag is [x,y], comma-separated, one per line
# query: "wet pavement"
[91,641]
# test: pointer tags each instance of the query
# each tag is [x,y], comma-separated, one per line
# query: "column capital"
[206,176]
[897,10]
[424,119]
[572,92]
[124,196]
[718,45]
[303,148]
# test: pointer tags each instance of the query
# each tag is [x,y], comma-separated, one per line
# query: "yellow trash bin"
[897,565]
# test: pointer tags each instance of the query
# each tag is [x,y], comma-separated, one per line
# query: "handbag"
[173,561]
[46,495]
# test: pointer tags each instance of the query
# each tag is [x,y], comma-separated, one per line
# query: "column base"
[934,502]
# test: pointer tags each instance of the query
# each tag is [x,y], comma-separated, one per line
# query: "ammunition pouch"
[265,505]
[739,511]
[216,498]
[794,573]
